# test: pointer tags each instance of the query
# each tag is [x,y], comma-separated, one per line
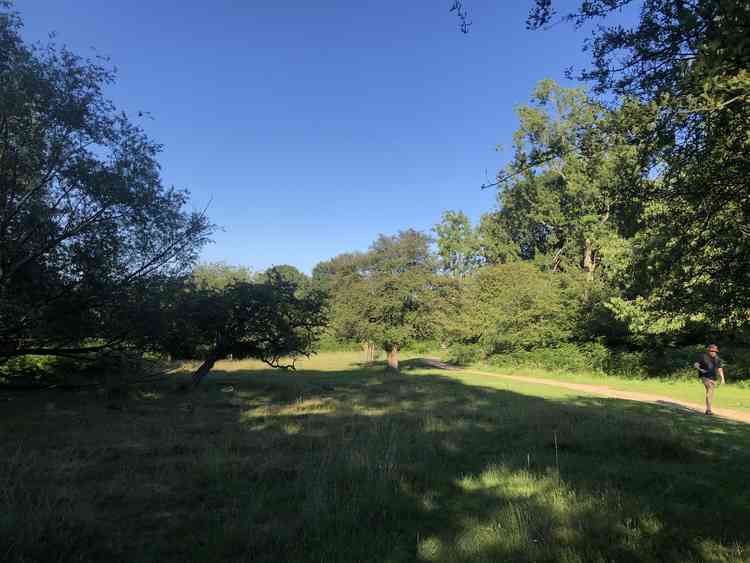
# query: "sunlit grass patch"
[516,484]
[530,517]
[292,428]
[734,395]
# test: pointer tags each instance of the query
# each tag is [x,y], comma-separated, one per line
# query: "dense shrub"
[678,362]
[672,363]
[464,354]
[567,357]
[626,364]
[737,362]
[516,306]
[597,355]
[423,346]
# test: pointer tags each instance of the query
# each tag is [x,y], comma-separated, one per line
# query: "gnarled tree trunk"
[393,359]
[208,364]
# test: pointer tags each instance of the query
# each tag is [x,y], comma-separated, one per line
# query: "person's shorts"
[706,380]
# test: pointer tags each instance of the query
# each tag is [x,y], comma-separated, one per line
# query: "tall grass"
[346,463]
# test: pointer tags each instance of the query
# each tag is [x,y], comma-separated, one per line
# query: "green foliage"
[326,275]
[649,326]
[408,251]
[219,275]
[516,306]
[674,363]
[86,226]
[458,244]
[588,357]
[390,295]
[268,321]
[677,363]
[556,200]
[423,346]
[496,245]
[28,367]
[461,354]
[737,362]
[287,273]
[628,364]
[396,308]
[681,73]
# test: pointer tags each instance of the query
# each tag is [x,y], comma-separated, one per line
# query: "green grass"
[730,396]
[343,462]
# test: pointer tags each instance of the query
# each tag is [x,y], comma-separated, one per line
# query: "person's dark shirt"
[709,366]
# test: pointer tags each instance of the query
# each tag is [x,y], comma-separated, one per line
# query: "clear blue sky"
[314,126]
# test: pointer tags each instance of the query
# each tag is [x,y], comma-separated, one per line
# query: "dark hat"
[713,348]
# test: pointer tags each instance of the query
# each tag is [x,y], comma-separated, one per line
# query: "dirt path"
[604,391]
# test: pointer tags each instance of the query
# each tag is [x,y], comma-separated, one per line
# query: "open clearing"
[343,462]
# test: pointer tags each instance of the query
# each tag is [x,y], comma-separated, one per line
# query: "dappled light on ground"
[353,464]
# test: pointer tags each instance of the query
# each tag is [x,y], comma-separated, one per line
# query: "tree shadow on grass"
[635,481]
[363,465]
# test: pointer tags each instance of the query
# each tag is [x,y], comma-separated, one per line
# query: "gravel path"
[604,391]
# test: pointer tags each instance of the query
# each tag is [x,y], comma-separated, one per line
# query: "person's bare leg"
[710,386]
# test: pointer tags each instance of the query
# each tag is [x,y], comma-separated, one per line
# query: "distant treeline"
[621,233]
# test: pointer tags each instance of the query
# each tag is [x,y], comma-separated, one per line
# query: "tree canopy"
[458,244]
[86,224]
[559,198]
[681,81]
[219,275]
[267,320]
[389,296]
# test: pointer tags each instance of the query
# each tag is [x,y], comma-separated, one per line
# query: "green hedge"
[465,354]
[673,363]
[566,357]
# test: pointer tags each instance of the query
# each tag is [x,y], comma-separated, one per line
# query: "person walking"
[709,366]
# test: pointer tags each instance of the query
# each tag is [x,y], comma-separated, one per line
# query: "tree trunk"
[393,359]
[369,349]
[205,367]
[589,263]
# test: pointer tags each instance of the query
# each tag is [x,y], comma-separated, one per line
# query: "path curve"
[603,391]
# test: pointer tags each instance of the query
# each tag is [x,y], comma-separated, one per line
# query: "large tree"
[338,279]
[87,227]
[681,76]
[558,198]
[268,320]
[289,273]
[458,244]
[390,295]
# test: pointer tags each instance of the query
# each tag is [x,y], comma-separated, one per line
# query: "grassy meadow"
[734,396]
[343,462]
